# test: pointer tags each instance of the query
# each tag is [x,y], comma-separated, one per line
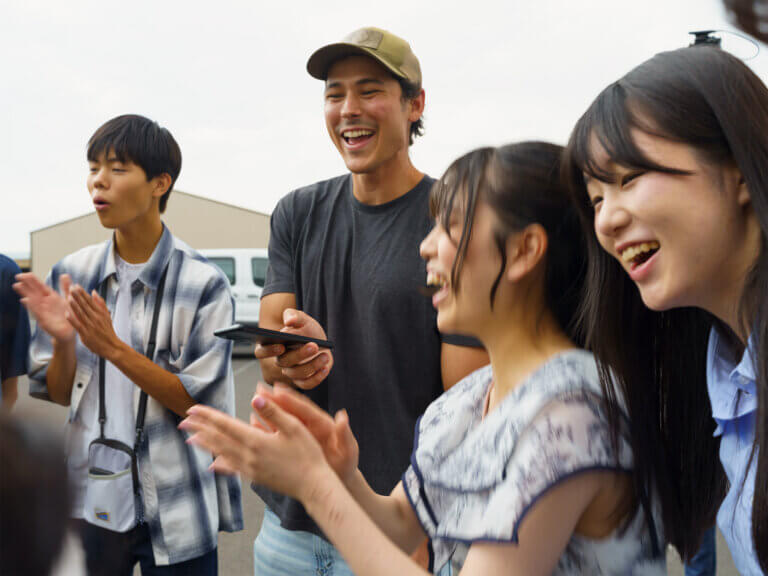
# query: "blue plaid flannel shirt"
[185,505]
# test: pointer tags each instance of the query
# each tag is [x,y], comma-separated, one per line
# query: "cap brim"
[321,59]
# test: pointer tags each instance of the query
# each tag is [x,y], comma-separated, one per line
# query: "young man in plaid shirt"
[180,504]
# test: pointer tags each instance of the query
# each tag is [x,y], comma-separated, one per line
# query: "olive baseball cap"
[392,51]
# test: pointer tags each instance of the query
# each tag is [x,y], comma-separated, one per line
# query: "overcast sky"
[228,79]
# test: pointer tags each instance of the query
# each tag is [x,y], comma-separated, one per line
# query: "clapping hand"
[47,306]
[295,442]
[89,316]
[332,433]
[285,457]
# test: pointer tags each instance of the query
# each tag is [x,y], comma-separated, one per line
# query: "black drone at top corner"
[705,38]
[736,42]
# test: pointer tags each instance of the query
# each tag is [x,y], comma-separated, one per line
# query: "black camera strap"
[150,353]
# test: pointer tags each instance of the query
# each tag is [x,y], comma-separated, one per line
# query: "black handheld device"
[250,332]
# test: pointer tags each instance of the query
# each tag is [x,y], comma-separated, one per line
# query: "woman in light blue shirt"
[670,169]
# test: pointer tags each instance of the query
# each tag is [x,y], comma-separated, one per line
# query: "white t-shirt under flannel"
[118,401]
[185,504]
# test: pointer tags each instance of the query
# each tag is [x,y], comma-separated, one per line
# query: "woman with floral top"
[514,469]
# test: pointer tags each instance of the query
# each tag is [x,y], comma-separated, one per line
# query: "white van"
[246,269]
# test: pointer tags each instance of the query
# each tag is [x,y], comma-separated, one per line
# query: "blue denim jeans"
[705,561]
[281,552]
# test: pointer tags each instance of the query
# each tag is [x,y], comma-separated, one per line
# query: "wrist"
[118,352]
[63,342]
[352,478]
[318,487]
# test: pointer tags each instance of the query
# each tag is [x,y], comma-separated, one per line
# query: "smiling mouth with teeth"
[639,253]
[356,136]
[435,283]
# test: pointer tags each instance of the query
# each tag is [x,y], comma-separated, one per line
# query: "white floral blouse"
[474,478]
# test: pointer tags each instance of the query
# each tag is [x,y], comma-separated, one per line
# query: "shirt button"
[79,384]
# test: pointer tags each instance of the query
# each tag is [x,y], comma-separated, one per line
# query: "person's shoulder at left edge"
[8,269]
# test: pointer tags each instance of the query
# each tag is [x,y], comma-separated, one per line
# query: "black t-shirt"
[356,269]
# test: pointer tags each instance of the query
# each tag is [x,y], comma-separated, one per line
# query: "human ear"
[162,184]
[525,250]
[742,195]
[734,183]
[417,106]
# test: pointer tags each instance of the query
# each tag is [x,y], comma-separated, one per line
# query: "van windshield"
[259,268]
[227,266]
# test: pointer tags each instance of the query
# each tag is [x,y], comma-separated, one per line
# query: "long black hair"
[710,100]
[521,183]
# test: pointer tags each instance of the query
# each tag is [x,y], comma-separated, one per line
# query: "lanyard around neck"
[150,353]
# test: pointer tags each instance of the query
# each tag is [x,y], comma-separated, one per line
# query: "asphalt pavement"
[236,550]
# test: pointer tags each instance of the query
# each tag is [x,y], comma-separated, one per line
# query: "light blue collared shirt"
[733,395]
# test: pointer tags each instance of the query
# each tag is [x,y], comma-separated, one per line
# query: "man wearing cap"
[344,265]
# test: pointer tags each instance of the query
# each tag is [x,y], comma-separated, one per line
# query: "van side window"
[259,268]
[227,266]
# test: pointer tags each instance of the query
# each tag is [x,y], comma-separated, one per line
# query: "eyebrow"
[337,84]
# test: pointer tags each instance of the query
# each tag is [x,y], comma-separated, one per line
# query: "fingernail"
[323,360]
[259,402]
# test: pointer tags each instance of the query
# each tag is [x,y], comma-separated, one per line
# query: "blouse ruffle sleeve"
[473,479]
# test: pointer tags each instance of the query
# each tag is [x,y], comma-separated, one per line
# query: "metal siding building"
[200,222]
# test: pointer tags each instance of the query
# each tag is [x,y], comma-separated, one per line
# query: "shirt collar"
[746,367]
[150,275]
[731,385]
